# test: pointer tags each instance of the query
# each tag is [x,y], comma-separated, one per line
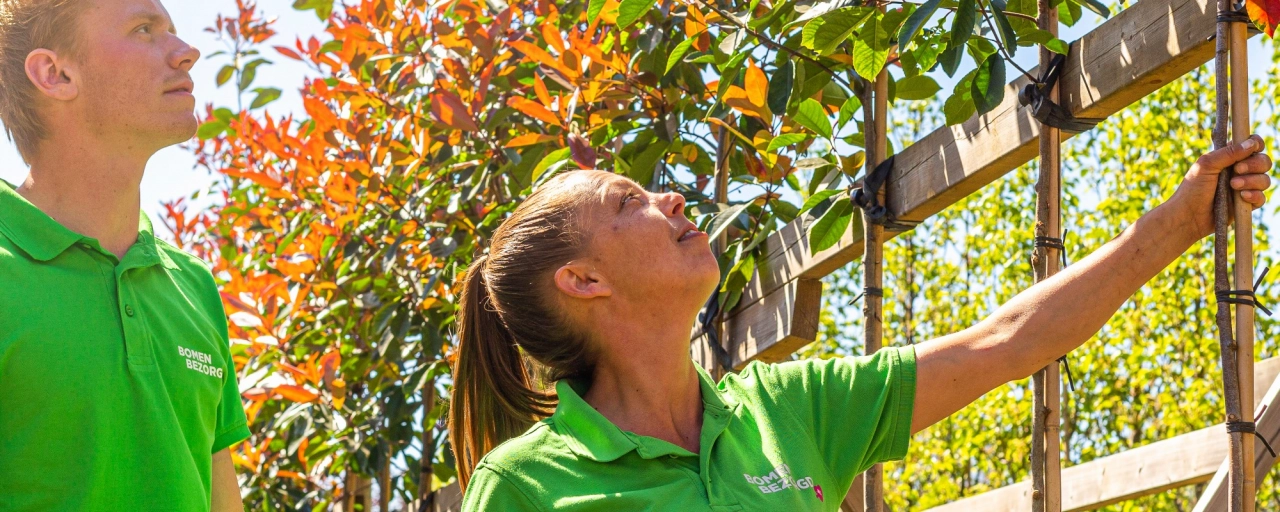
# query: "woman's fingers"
[1257,164]
[1252,180]
[1215,161]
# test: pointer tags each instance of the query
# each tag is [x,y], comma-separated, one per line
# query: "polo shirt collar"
[589,434]
[44,239]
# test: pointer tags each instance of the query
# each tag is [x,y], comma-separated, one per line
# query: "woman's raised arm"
[1057,315]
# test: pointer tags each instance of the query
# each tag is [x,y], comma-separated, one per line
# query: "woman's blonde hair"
[508,307]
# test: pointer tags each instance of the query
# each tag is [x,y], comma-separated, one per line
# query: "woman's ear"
[51,75]
[581,282]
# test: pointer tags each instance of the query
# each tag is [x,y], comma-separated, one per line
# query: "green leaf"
[1069,13]
[210,129]
[917,87]
[835,27]
[322,8]
[817,198]
[950,60]
[959,106]
[723,219]
[593,10]
[265,95]
[780,85]
[962,26]
[1007,36]
[827,231]
[785,140]
[848,110]
[642,166]
[225,74]
[912,26]
[249,72]
[631,10]
[678,53]
[872,48]
[1058,46]
[988,84]
[1096,6]
[552,162]
[811,115]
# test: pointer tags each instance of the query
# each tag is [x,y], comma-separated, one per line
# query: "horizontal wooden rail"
[1183,460]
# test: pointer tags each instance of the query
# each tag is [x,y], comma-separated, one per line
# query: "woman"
[599,282]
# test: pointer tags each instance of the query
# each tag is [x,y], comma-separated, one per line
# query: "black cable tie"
[707,319]
[1049,113]
[1066,366]
[1245,297]
[870,290]
[1054,243]
[1249,427]
[868,196]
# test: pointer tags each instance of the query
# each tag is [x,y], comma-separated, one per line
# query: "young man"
[117,388]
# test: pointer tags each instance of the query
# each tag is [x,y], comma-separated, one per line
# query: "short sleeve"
[489,490]
[232,425]
[858,408]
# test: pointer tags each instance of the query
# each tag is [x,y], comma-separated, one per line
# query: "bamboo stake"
[873,262]
[1046,465]
[426,472]
[1230,352]
[724,141]
[1244,332]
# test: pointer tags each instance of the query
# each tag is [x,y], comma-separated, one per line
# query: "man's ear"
[51,75]
[581,282]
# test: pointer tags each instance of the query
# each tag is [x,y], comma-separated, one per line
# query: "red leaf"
[288,52]
[448,109]
[583,154]
[1266,13]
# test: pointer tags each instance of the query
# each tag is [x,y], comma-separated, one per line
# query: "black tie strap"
[708,319]
[868,196]
[1036,95]
[1066,367]
[1054,243]
[1249,427]
[1245,297]
[870,290]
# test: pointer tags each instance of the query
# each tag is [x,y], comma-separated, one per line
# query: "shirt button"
[128,310]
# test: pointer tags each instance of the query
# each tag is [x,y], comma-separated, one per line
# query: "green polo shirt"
[116,378]
[789,436]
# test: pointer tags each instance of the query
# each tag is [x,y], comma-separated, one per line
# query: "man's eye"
[145,29]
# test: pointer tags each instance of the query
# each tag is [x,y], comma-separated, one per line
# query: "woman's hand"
[1194,197]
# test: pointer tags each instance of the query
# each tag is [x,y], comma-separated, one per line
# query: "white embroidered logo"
[781,478]
[200,361]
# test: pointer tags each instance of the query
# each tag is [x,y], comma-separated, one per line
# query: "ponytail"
[494,398]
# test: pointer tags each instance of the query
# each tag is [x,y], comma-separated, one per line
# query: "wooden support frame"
[1187,459]
[1129,56]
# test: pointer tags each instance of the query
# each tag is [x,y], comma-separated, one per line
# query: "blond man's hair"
[26,25]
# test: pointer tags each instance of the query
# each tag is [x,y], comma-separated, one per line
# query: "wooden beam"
[1126,58]
[795,325]
[1187,459]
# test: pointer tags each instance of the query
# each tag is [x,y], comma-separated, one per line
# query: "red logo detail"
[817,489]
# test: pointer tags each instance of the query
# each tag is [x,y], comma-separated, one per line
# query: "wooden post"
[1046,466]
[426,473]
[724,141]
[1240,131]
[1240,495]
[873,259]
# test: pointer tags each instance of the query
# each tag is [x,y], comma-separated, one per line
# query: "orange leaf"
[295,393]
[757,85]
[740,99]
[534,109]
[540,88]
[529,139]
[551,34]
[448,109]
[541,56]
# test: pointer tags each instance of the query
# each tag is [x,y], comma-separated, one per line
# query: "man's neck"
[91,188]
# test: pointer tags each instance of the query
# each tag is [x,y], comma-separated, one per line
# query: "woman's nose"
[675,203]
